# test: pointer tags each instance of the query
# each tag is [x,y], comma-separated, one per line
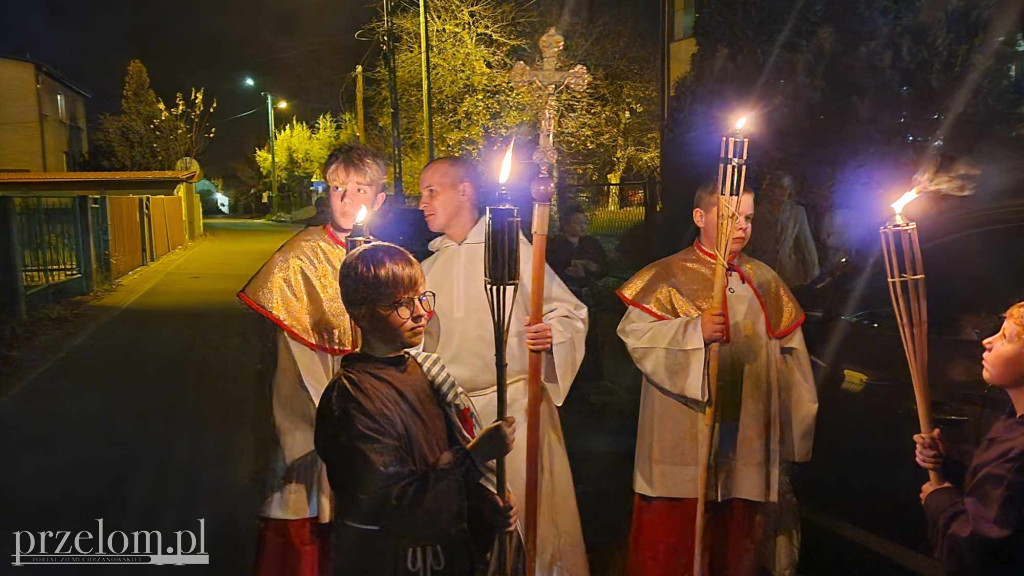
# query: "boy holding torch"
[976,522]
[766,404]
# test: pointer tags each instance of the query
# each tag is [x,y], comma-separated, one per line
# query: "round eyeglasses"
[406,307]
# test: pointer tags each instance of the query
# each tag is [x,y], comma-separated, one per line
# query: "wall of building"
[683,45]
[20,146]
[63,119]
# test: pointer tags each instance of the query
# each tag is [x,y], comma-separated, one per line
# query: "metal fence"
[100,238]
[48,233]
[613,209]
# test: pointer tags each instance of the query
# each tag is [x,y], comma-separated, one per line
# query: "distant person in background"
[976,513]
[323,212]
[578,259]
[783,238]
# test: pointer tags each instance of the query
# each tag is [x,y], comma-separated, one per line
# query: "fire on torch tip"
[506,163]
[907,198]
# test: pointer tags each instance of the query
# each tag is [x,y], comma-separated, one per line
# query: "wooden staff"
[732,173]
[542,190]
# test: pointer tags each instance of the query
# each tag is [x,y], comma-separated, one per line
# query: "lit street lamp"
[273,159]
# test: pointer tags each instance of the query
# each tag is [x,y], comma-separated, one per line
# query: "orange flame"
[506,164]
[897,206]
[361,217]
[741,123]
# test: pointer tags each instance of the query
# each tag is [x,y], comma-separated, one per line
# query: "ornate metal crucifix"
[552,80]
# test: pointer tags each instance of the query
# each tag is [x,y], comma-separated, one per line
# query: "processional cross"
[552,80]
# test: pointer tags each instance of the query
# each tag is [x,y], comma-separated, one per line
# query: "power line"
[257,109]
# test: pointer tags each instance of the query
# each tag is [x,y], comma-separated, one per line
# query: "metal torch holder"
[501,276]
[351,243]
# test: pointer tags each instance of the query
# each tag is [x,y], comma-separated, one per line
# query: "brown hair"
[377,274]
[361,160]
[1016,316]
[706,196]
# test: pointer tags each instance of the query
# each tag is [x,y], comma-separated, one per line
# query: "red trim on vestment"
[629,302]
[764,310]
[333,236]
[292,333]
[700,248]
[725,300]
[725,287]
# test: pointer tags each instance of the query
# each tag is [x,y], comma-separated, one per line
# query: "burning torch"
[356,238]
[360,234]
[904,273]
[501,275]
[732,174]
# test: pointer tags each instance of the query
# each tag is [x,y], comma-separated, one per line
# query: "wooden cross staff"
[551,80]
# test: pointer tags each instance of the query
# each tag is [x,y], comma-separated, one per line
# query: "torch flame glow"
[907,198]
[506,164]
[741,123]
[361,217]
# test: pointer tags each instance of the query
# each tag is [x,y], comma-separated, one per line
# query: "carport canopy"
[66,184]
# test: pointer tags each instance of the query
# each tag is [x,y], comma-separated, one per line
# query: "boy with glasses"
[404,451]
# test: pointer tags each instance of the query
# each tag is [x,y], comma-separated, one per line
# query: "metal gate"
[48,233]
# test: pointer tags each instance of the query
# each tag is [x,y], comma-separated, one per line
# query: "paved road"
[152,419]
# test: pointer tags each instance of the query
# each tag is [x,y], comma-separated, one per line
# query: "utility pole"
[359,104]
[273,159]
[392,63]
[428,120]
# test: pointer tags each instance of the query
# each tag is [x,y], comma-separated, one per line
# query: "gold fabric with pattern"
[298,290]
[681,285]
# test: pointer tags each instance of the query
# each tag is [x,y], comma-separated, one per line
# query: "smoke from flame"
[907,198]
[506,164]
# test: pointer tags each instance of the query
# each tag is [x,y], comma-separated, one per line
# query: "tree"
[129,141]
[842,91]
[472,100]
[182,128]
[147,134]
[610,131]
[301,150]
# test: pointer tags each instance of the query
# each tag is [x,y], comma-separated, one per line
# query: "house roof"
[157,182]
[49,72]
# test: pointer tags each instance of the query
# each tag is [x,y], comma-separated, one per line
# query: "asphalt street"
[151,416]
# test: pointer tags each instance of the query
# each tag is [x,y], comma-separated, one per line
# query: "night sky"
[304,50]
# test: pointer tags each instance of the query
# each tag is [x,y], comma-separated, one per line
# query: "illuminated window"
[62,110]
[682,25]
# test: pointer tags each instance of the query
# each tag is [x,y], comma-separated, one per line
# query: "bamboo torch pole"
[732,171]
[904,271]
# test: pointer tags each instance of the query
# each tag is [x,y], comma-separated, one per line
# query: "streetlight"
[273,159]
